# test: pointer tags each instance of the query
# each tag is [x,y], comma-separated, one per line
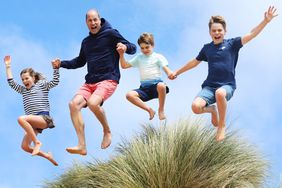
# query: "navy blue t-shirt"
[222,60]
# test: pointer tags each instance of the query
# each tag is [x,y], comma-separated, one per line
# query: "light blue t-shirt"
[149,66]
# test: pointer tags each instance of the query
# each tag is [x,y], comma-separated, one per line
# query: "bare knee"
[161,87]
[73,106]
[21,119]
[26,147]
[131,95]
[220,93]
[197,108]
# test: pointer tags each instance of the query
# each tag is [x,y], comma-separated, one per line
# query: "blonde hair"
[217,19]
[38,76]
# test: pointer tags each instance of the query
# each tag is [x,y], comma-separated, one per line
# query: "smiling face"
[27,80]
[93,21]
[217,33]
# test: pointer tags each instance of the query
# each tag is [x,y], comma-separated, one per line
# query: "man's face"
[93,22]
[217,33]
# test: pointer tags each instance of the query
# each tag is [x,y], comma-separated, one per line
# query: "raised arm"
[268,16]
[189,65]
[7,61]
[121,48]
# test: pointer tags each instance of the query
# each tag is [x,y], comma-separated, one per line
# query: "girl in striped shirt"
[36,106]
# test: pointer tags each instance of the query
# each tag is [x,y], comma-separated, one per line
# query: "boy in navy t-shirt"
[221,55]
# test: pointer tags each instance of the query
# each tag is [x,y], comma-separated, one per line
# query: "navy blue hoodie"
[99,52]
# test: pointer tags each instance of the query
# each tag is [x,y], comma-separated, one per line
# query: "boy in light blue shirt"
[149,64]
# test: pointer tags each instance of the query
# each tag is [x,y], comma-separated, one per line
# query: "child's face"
[27,80]
[217,33]
[146,49]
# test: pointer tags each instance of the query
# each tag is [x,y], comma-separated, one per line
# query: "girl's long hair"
[38,76]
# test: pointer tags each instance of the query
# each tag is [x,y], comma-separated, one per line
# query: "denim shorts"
[147,92]
[208,93]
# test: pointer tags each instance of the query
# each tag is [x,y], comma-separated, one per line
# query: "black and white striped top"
[36,98]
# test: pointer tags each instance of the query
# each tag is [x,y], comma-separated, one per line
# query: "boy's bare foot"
[36,148]
[81,150]
[50,158]
[107,139]
[162,115]
[151,113]
[220,134]
[214,118]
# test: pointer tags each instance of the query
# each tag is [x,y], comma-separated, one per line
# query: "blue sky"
[34,33]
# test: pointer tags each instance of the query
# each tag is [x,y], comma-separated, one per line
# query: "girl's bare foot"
[214,118]
[162,115]
[151,113]
[220,134]
[81,150]
[36,148]
[49,156]
[107,139]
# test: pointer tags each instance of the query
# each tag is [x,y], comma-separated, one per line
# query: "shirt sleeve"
[162,61]
[54,82]
[130,47]
[77,62]
[134,61]
[202,55]
[237,43]
[14,85]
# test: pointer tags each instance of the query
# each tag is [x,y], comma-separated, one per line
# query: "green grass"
[181,155]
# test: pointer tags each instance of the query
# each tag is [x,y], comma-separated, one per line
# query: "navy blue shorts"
[148,92]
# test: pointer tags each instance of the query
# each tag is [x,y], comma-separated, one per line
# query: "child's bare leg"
[133,97]
[161,88]
[199,107]
[75,106]
[221,101]
[29,123]
[94,105]
[26,147]
[214,116]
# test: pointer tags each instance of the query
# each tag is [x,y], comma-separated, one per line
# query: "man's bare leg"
[94,105]
[75,106]
[133,97]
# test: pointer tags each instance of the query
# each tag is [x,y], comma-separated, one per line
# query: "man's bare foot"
[151,113]
[220,134]
[81,150]
[51,159]
[162,115]
[107,139]
[36,148]
[214,118]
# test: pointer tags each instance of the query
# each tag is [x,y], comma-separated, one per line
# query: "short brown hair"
[217,19]
[146,38]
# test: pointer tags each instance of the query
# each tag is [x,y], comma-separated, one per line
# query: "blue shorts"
[147,92]
[208,93]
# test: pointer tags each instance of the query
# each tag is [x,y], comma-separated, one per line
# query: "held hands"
[172,75]
[56,63]
[121,48]
[7,61]
[270,13]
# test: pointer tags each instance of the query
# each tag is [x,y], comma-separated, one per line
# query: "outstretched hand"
[270,13]
[7,60]
[56,63]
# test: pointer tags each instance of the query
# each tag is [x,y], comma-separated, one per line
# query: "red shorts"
[104,89]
